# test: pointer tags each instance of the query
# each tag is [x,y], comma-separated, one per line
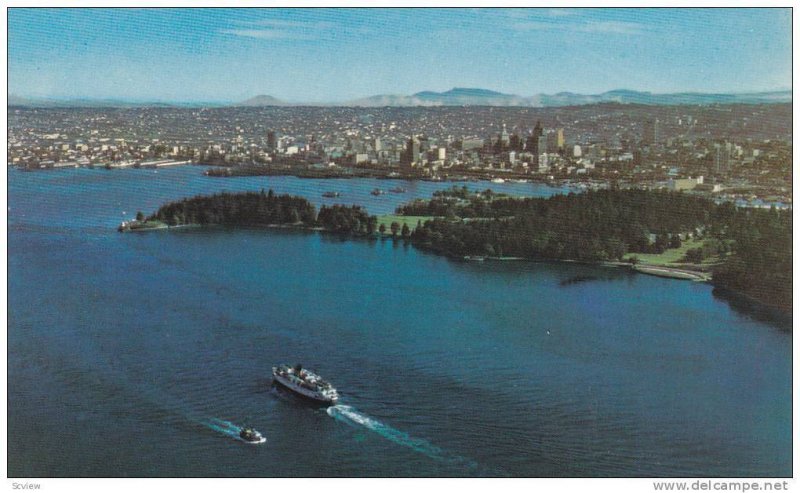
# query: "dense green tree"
[694,255]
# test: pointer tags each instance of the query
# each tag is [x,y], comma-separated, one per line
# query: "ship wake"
[351,416]
[224,427]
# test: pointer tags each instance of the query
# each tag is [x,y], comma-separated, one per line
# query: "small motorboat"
[250,435]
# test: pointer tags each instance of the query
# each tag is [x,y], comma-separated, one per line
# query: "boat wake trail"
[225,427]
[352,417]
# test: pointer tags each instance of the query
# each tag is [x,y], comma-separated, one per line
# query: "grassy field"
[152,224]
[387,220]
[671,255]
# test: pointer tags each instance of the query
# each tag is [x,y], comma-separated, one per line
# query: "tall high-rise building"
[650,132]
[272,140]
[411,154]
[504,138]
[722,156]
[532,145]
[553,139]
[541,145]
[538,131]
[537,142]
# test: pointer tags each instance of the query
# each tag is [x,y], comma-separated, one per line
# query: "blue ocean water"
[137,354]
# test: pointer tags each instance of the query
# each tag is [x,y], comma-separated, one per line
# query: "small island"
[671,234]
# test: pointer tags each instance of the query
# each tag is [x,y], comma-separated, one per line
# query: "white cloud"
[266,33]
[611,27]
[617,27]
[284,24]
[278,29]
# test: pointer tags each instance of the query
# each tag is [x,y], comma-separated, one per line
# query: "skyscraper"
[504,138]
[411,154]
[650,132]
[272,140]
[722,156]
[537,142]
[533,141]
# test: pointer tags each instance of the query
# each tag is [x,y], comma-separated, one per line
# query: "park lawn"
[388,219]
[671,255]
[151,224]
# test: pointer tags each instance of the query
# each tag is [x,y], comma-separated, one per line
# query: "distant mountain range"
[458,96]
[482,97]
[14,100]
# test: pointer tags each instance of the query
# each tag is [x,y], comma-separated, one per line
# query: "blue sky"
[321,55]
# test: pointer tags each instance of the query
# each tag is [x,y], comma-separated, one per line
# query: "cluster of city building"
[741,149]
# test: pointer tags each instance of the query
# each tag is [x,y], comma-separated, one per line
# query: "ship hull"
[253,442]
[300,391]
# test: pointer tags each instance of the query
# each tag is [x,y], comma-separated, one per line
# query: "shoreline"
[671,272]
[680,274]
[736,299]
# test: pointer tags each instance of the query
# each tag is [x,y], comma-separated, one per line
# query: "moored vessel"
[305,383]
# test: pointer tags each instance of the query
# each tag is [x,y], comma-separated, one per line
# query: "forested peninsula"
[745,250]
[256,209]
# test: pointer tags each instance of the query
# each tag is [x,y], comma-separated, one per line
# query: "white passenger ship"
[306,383]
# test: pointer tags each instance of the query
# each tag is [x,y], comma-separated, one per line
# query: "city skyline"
[333,55]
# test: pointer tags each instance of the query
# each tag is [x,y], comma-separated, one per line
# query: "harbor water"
[141,354]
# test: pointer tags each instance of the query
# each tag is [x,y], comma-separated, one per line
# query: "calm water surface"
[131,352]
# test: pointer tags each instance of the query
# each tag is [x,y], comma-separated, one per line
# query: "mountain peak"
[473,91]
[262,100]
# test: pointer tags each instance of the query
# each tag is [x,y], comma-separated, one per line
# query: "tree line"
[590,226]
[754,244]
[262,209]
[760,263]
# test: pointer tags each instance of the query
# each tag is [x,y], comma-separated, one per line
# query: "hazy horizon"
[332,55]
[309,101]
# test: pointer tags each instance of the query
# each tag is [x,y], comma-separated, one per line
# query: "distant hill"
[459,96]
[462,96]
[14,100]
[262,100]
[482,97]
